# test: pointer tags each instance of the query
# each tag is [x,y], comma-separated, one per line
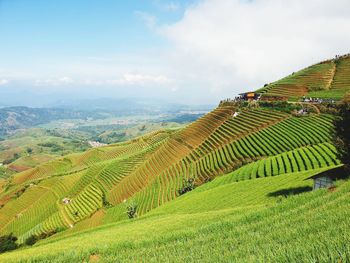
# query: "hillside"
[249,161]
[327,80]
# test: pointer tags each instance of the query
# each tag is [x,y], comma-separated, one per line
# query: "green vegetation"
[7,243]
[255,220]
[231,186]
[29,148]
[342,135]
[327,80]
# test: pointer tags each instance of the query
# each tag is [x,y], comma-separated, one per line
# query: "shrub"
[188,186]
[10,160]
[35,238]
[342,136]
[131,211]
[31,240]
[7,243]
[283,106]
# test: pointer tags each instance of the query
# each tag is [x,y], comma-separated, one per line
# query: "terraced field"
[241,158]
[298,84]
[84,186]
[150,170]
[298,160]
[253,220]
[328,80]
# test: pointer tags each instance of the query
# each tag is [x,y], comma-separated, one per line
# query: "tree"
[131,208]
[7,243]
[31,240]
[342,132]
[29,150]
[131,211]
[188,186]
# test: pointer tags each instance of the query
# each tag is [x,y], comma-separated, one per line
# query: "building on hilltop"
[249,95]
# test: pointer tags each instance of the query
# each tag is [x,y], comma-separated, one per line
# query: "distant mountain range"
[14,118]
[20,117]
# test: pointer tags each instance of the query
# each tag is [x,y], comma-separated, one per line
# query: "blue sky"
[41,29]
[194,51]
[40,39]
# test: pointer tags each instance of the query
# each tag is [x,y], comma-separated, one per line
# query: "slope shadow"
[290,191]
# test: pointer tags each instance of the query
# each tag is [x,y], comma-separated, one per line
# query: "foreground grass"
[270,226]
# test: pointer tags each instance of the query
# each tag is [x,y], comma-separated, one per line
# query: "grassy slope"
[108,169]
[244,221]
[328,80]
[40,208]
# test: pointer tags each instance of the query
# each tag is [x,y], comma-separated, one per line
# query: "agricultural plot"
[84,188]
[298,84]
[150,170]
[176,148]
[267,141]
[278,217]
[298,160]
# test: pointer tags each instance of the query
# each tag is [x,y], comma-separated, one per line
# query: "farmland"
[238,227]
[328,79]
[233,185]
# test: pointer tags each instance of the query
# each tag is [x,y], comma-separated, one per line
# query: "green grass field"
[256,220]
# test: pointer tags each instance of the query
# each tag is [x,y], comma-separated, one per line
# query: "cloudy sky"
[195,51]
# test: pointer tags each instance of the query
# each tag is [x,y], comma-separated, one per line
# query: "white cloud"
[4,82]
[130,79]
[141,79]
[234,45]
[65,80]
[54,81]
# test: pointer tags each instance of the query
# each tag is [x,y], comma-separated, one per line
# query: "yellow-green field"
[242,221]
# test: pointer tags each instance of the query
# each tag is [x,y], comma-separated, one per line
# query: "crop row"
[270,141]
[172,151]
[247,121]
[316,77]
[85,203]
[44,170]
[341,79]
[43,207]
[52,223]
[304,158]
[16,206]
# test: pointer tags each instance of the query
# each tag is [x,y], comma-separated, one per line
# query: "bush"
[31,240]
[188,186]
[280,106]
[7,243]
[35,238]
[11,160]
[29,150]
[131,211]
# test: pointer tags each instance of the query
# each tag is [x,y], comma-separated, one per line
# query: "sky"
[194,51]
